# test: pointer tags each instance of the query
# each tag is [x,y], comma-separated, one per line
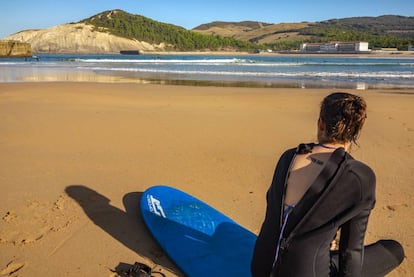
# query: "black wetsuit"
[341,197]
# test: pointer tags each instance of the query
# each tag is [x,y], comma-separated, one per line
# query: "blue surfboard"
[200,240]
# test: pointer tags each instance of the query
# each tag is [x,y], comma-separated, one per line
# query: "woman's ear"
[321,125]
[321,130]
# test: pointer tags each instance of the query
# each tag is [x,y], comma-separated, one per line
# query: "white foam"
[381,74]
[165,61]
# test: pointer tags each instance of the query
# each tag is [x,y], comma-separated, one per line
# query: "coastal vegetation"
[388,31]
[141,28]
[381,32]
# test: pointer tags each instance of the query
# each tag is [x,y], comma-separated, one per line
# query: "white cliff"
[78,38]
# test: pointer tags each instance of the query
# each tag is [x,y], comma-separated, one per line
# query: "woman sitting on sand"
[318,189]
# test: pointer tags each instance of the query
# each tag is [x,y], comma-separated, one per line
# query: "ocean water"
[251,70]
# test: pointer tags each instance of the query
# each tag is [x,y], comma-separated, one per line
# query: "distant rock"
[10,48]
[78,38]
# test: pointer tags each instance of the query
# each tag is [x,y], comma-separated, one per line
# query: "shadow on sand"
[126,227]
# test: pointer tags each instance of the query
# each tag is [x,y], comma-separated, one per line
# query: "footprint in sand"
[10,216]
[395,207]
[11,268]
[406,128]
[31,222]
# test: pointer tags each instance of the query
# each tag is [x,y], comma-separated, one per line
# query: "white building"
[335,47]
[361,46]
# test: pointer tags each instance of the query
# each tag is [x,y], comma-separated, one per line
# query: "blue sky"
[19,15]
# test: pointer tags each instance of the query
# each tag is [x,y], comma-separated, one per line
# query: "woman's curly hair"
[344,115]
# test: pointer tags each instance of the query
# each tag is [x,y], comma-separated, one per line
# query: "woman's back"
[303,172]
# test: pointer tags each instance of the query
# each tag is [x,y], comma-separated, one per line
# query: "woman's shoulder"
[359,167]
[364,174]
[288,154]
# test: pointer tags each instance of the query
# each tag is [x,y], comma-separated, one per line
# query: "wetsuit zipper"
[282,208]
[282,242]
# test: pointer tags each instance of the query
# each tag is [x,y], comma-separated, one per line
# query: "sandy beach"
[75,158]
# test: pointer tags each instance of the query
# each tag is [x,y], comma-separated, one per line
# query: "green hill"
[398,26]
[141,28]
[382,31]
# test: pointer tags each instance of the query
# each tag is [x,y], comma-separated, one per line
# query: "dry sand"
[75,158]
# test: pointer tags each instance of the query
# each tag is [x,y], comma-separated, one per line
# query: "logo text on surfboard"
[155,206]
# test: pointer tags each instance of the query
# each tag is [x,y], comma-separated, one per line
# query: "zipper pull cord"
[282,229]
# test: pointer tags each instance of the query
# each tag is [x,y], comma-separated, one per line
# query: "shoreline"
[111,141]
[87,76]
[93,78]
[373,53]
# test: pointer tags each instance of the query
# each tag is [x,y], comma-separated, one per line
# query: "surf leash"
[141,270]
